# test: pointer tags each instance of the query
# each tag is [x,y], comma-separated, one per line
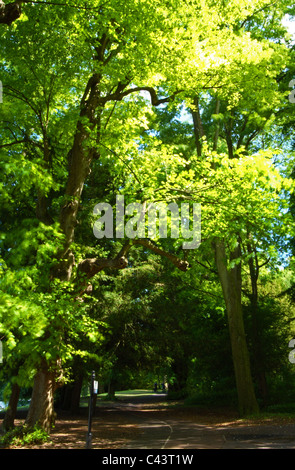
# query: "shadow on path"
[165,427]
[149,421]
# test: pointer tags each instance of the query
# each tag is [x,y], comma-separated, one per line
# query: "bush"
[24,436]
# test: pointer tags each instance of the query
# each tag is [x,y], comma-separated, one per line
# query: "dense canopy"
[184,103]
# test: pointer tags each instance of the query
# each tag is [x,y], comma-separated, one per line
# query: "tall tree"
[65,70]
[236,129]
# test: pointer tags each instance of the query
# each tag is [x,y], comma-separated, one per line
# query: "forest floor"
[148,421]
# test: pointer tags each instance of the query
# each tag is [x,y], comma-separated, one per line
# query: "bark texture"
[231,285]
[41,411]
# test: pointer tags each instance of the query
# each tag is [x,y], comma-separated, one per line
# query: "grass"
[119,395]
[133,393]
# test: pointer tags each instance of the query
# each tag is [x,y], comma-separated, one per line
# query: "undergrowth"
[23,435]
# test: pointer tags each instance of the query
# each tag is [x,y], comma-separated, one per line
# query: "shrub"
[24,436]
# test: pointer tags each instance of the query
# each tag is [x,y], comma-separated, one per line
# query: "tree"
[66,72]
[234,127]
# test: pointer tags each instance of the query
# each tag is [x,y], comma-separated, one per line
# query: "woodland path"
[148,421]
[190,428]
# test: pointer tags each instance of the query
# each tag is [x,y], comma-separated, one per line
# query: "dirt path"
[146,422]
[191,428]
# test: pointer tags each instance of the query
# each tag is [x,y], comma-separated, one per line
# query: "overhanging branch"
[178,262]
[92,266]
[119,94]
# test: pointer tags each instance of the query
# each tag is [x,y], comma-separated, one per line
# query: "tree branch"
[21,96]
[119,94]
[198,126]
[12,11]
[248,18]
[14,143]
[178,262]
[92,266]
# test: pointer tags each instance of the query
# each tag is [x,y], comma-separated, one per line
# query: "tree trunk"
[231,285]
[198,127]
[101,386]
[76,393]
[41,411]
[259,364]
[69,399]
[80,158]
[8,422]
[9,12]
[111,390]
